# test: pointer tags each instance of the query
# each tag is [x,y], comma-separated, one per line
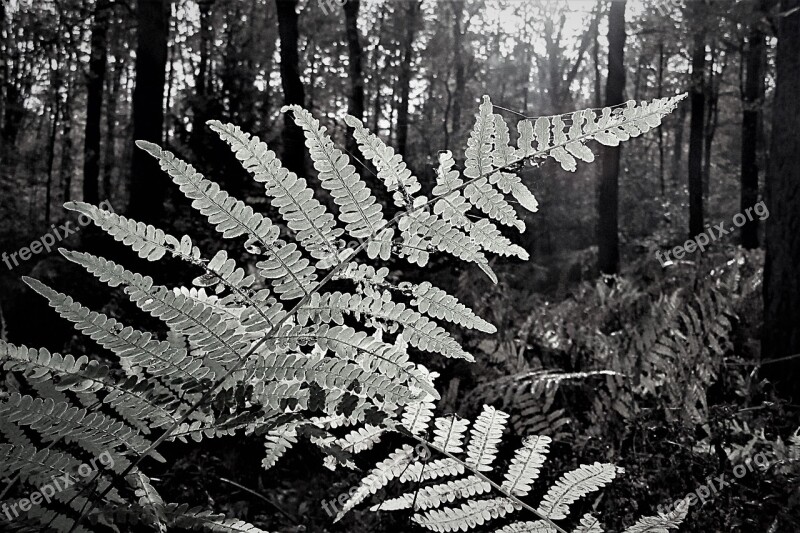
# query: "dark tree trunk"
[781,332]
[412,13]
[94,102]
[293,143]
[114,86]
[752,101]
[200,100]
[608,200]
[459,67]
[147,184]
[696,127]
[355,104]
[660,94]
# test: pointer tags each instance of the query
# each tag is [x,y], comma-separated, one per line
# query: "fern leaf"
[216,334]
[417,415]
[449,433]
[468,515]
[158,357]
[314,226]
[574,485]
[277,442]
[385,471]
[612,127]
[435,469]
[197,519]
[436,495]
[358,208]
[485,436]
[588,524]
[539,526]
[660,523]
[291,275]
[61,420]
[391,169]
[420,332]
[435,302]
[524,467]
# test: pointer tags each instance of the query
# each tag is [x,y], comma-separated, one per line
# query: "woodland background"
[80,80]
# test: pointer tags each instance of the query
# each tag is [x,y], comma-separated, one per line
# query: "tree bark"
[293,93]
[412,14]
[752,101]
[460,69]
[200,97]
[355,103]
[608,199]
[95,82]
[781,331]
[696,127]
[147,183]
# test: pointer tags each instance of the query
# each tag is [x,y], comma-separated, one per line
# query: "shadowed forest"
[490,265]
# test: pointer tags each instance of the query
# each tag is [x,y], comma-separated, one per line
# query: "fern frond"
[392,171]
[291,275]
[660,523]
[61,420]
[484,437]
[418,330]
[539,526]
[435,469]
[388,469]
[468,515]
[574,485]
[479,165]
[610,128]
[158,357]
[417,416]
[524,467]
[449,433]
[314,226]
[436,303]
[588,524]
[436,495]
[197,519]
[358,208]
[219,337]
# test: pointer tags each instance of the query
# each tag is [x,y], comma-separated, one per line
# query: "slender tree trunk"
[147,184]
[752,101]
[598,95]
[696,136]
[460,69]
[355,103]
[780,336]
[608,201]
[412,14]
[293,93]
[200,97]
[111,119]
[65,166]
[660,94]
[95,82]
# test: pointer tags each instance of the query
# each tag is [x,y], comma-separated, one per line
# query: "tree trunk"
[460,69]
[293,141]
[114,85]
[608,201]
[412,13]
[752,100]
[95,82]
[660,94]
[147,182]
[200,97]
[696,136]
[355,103]
[781,331]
